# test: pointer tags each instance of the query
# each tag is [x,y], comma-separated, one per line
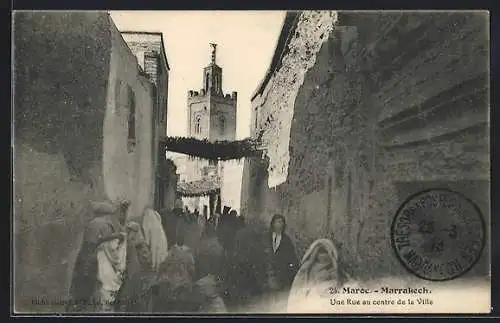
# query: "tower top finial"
[214,49]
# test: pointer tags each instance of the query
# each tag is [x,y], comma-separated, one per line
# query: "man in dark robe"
[282,258]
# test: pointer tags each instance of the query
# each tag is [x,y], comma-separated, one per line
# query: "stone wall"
[128,169]
[309,34]
[392,103]
[59,108]
[148,48]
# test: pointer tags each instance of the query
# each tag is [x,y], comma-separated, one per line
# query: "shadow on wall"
[59,105]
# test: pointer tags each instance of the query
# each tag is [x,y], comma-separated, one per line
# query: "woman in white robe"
[111,260]
[155,237]
[319,272]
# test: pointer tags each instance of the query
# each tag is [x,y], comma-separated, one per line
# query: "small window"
[256,118]
[207,78]
[222,124]
[131,118]
[197,127]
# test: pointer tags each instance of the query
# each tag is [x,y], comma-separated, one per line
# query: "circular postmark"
[438,234]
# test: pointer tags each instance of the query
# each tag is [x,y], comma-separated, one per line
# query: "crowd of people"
[144,264]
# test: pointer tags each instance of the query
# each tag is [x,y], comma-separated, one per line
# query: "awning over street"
[203,187]
[212,150]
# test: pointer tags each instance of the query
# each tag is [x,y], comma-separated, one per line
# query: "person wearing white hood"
[319,271]
[155,237]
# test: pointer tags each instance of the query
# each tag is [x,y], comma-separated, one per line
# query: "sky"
[246,41]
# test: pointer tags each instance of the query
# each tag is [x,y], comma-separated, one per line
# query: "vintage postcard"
[201,162]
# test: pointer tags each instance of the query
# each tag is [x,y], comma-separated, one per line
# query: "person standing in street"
[320,270]
[155,237]
[282,262]
[101,261]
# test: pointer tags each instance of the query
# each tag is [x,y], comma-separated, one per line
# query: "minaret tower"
[211,113]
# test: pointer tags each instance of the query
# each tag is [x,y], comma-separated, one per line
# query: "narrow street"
[251,162]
